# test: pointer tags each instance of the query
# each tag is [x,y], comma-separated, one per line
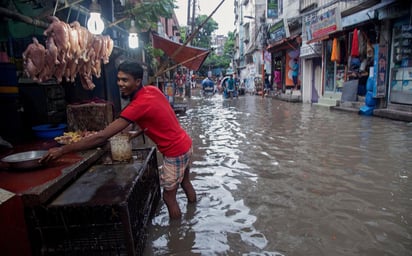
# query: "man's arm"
[88,142]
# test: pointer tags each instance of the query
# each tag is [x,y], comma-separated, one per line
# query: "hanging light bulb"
[133,38]
[95,23]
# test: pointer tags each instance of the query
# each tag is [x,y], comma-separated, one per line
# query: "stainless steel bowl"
[24,160]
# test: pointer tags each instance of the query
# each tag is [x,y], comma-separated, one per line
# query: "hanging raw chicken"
[33,59]
[59,31]
[70,50]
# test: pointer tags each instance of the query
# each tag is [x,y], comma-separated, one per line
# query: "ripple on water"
[278,178]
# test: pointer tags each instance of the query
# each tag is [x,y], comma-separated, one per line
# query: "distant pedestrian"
[267,83]
[193,81]
[230,87]
[295,73]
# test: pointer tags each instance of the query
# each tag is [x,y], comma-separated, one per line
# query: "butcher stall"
[84,203]
[58,85]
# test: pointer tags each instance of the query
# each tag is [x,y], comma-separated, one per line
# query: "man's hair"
[132,68]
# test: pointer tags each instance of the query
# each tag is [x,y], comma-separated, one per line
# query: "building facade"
[346,50]
[250,20]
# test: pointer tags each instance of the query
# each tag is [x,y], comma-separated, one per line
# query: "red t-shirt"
[150,109]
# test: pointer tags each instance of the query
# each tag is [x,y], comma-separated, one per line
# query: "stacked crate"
[104,212]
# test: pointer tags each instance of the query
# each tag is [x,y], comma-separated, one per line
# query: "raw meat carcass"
[71,70]
[70,50]
[33,59]
[85,38]
[53,51]
[108,46]
[59,30]
[87,82]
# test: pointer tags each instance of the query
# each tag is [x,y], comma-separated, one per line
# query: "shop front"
[40,93]
[371,43]
[284,49]
[351,47]
[311,58]
[367,41]
[321,75]
[397,17]
[349,57]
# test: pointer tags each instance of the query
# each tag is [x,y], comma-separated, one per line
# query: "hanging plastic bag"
[335,56]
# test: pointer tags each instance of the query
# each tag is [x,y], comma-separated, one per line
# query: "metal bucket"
[121,147]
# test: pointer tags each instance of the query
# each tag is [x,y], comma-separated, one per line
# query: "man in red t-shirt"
[151,111]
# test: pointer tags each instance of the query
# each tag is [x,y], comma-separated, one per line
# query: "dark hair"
[132,68]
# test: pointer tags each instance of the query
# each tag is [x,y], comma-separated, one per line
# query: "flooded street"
[280,178]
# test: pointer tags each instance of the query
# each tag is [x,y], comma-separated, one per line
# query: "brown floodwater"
[280,178]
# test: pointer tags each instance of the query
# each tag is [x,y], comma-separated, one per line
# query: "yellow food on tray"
[71,137]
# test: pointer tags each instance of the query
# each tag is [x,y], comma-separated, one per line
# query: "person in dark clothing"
[295,73]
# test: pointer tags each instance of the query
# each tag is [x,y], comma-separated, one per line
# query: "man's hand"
[53,154]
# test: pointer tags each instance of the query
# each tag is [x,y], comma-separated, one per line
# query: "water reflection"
[279,178]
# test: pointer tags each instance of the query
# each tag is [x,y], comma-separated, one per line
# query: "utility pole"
[191,13]
[193,16]
[189,5]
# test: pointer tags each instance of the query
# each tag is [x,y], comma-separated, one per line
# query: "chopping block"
[92,116]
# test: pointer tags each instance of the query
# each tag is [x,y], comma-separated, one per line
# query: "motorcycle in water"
[208,92]
[208,87]
[229,93]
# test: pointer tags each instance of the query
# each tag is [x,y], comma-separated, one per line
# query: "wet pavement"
[283,178]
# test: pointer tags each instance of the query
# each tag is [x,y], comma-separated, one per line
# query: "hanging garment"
[335,56]
[355,44]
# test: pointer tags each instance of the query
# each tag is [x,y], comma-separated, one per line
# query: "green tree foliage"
[229,47]
[203,38]
[147,13]
[214,61]
[183,35]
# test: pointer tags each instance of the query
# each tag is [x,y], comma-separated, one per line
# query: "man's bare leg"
[188,187]
[169,197]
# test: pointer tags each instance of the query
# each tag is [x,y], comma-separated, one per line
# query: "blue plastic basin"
[49,131]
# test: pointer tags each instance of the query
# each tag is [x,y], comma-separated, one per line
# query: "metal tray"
[24,160]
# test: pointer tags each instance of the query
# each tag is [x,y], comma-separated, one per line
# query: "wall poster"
[290,59]
[380,73]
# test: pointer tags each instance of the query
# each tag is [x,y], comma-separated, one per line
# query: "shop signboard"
[393,11]
[358,17]
[272,8]
[319,24]
[278,31]
[311,50]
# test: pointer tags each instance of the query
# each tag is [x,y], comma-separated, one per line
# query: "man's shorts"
[173,170]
